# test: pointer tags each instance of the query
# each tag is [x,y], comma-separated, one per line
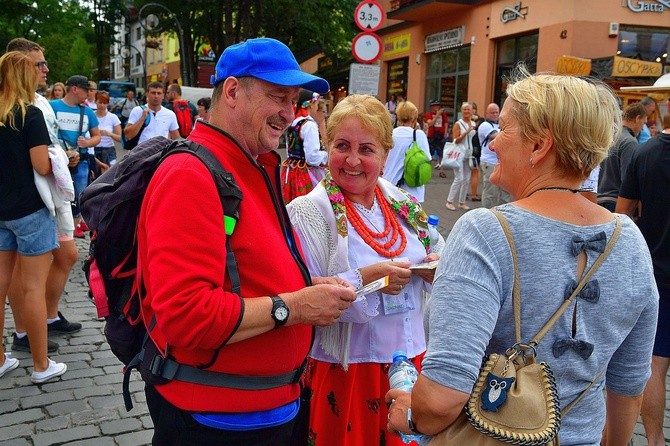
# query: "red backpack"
[184,117]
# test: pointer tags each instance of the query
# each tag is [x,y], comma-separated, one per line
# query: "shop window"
[650,44]
[447,79]
[396,80]
[510,53]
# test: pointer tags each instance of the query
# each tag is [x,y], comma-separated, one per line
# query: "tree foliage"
[306,27]
[77,34]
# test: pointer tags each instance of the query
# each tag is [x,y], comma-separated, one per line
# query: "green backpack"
[417,166]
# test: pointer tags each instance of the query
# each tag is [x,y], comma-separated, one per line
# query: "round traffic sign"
[369,15]
[367,47]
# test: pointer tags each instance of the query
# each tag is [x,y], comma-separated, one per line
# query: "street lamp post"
[126,54]
[151,25]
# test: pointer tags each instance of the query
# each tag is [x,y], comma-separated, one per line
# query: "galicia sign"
[642,6]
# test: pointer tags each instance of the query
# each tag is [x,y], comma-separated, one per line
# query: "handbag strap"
[574,402]
[516,293]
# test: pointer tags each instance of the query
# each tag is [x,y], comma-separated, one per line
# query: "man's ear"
[231,91]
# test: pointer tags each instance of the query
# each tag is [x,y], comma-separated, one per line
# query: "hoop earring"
[530,162]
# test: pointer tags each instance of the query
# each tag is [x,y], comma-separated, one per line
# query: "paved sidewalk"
[85,406]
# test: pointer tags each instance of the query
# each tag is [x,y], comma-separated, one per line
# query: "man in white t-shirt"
[160,121]
[492,195]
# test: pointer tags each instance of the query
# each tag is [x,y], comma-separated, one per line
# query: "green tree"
[306,27]
[59,26]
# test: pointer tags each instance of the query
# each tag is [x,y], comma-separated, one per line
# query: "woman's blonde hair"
[582,116]
[51,94]
[18,82]
[406,112]
[371,113]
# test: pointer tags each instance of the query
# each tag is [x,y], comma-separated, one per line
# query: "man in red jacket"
[266,329]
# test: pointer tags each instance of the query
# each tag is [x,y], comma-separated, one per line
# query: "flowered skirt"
[298,178]
[348,408]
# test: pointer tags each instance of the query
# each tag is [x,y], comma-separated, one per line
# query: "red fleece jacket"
[183,257]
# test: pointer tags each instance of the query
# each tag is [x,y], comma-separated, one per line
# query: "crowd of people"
[335,259]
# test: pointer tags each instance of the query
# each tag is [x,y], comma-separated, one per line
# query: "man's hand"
[320,304]
[73,157]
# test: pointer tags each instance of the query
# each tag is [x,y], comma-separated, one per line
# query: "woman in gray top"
[553,131]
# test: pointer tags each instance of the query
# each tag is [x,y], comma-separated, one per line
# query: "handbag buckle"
[527,352]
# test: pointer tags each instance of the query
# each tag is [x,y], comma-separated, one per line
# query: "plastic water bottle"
[403,376]
[433,233]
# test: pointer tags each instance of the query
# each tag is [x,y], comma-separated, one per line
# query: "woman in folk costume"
[305,165]
[361,228]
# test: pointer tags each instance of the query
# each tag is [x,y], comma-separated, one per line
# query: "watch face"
[281,313]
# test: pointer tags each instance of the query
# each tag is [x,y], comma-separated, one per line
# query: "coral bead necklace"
[372,238]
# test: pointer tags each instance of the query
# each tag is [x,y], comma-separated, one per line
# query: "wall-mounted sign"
[369,15]
[625,67]
[573,65]
[396,45]
[324,62]
[364,79]
[648,6]
[366,47]
[445,39]
[510,13]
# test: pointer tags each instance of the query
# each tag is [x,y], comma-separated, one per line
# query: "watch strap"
[276,300]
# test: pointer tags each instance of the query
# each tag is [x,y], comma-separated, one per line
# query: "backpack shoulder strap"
[414,135]
[81,119]
[229,194]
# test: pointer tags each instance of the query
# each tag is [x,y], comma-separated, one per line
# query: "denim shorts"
[32,235]
[106,154]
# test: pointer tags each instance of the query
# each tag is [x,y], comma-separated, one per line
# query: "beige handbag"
[514,400]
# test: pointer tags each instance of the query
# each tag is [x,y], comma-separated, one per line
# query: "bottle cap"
[399,354]
[433,220]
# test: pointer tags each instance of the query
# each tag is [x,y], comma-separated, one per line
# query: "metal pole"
[185,78]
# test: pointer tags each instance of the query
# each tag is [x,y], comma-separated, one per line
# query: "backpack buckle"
[156,367]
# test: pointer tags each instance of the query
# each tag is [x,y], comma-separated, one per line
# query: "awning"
[662,84]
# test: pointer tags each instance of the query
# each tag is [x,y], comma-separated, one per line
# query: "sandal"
[463,206]
[451,207]
[476,198]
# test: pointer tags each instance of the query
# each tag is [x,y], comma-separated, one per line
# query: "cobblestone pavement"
[85,405]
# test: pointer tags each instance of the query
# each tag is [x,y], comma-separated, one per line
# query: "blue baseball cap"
[266,59]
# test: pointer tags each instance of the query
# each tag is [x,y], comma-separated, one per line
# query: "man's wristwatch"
[280,311]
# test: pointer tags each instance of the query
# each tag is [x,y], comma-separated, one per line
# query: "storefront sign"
[515,12]
[364,79]
[625,67]
[573,65]
[445,39]
[640,6]
[396,45]
[324,62]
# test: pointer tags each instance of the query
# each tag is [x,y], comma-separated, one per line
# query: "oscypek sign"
[367,46]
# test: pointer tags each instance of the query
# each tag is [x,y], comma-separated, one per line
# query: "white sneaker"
[54,370]
[9,365]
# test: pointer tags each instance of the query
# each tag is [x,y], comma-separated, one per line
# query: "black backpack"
[111,207]
[476,143]
[130,144]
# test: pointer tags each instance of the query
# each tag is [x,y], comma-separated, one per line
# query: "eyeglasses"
[41,65]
